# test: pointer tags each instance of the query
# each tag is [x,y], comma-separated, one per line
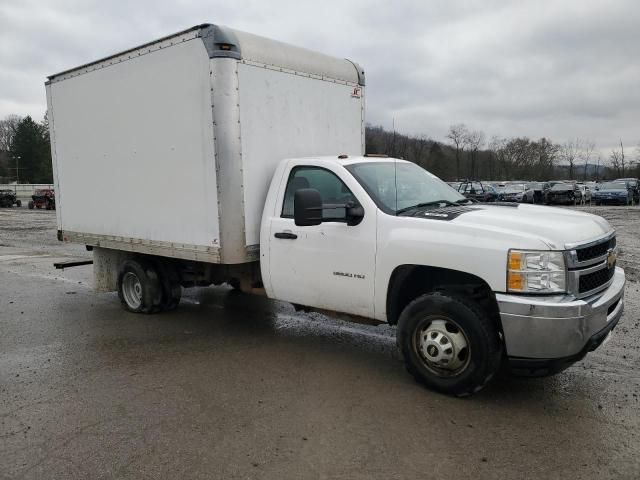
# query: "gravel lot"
[230,386]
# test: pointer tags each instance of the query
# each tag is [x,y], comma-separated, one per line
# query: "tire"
[139,286]
[30,205]
[18,203]
[597,203]
[443,313]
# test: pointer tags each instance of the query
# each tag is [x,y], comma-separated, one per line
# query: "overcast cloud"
[559,69]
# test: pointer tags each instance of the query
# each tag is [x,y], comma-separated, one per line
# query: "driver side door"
[328,266]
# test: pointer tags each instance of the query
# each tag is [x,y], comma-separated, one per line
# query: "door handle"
[286,235]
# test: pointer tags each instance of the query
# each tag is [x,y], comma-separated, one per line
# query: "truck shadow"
[254,315]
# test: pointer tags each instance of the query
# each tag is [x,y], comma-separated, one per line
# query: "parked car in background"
[8,199]
[586,193]
[539,189]
[478,191]
[517,192]
[634,185]
[454,185]
[43,198]
[613,193]
[564,194]
[547,188]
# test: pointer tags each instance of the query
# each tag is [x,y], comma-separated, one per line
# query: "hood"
[612,190]
[553,226]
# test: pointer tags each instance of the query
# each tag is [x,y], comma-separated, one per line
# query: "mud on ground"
[234,387]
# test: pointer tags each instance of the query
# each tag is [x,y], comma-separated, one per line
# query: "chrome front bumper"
[559,327]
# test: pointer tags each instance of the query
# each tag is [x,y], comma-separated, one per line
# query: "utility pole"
[17,169]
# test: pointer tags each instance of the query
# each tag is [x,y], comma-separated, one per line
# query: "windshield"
[562,186]
[394,186]
[613,186]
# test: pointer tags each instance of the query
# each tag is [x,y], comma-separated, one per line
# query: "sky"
[542,68]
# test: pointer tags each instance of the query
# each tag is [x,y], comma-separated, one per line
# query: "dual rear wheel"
[146,287]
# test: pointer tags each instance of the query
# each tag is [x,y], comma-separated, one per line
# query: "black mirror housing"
[307,207]
[354,214]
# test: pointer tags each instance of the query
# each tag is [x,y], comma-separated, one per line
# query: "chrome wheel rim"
[442,346]
[132,290]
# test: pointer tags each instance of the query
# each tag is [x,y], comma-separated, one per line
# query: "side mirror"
[307,207]
[354,214]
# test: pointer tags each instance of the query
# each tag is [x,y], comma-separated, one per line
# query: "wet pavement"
[232,386]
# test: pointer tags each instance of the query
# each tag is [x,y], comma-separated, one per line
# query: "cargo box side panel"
[135,152]
[286,115]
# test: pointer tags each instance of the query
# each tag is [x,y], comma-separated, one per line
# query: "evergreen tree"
[30,151]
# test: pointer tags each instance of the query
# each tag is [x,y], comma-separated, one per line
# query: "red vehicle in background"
[43,198]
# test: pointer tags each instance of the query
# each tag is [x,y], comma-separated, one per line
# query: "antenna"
[395,161]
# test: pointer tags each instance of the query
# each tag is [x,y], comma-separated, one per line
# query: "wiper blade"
[426,204]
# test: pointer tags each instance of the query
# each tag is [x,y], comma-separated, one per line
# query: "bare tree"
[546,153]
[457,134]
[618,160]
[7,130]
[473,141]
[419,148]
[586,148]
[598,162]
[569,153]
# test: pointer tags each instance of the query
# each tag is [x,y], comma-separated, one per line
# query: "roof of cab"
[350,159]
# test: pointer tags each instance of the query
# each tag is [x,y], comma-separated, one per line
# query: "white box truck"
[214,156]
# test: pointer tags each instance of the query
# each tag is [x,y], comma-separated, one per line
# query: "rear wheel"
[18,203]
[449,343]
[139,287]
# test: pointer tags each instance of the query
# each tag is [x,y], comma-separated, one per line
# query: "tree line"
[25,154]
[25,150]
[468,154]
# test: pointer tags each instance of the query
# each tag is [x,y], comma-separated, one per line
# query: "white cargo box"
[169,148]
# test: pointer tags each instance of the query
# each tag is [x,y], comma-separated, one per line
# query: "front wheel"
[31,205]
[449,343]
[18,203]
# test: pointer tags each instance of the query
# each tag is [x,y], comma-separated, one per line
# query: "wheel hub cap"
[443,346]
[132,290]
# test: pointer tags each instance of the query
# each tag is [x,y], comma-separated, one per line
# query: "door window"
[332,191]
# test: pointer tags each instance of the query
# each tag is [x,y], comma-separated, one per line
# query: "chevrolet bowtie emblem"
[611,258]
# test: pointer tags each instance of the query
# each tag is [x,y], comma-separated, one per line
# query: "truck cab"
[468,284]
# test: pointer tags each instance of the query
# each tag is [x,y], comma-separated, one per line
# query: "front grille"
[595,251]
[591,281]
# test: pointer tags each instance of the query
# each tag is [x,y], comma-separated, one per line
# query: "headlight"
[536,272]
